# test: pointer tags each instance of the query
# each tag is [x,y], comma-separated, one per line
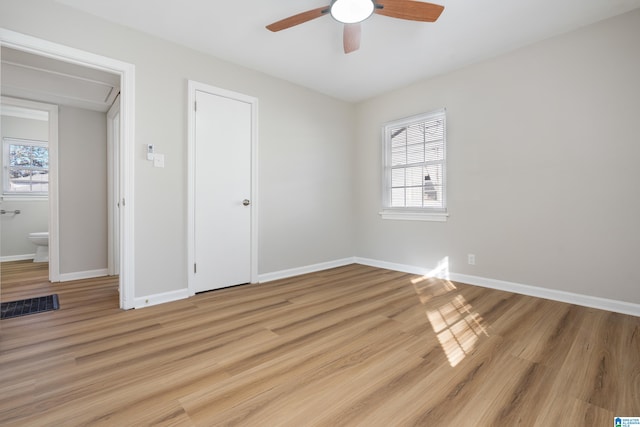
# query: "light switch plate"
[158,160]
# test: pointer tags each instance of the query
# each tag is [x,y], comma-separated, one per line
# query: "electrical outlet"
[471,259]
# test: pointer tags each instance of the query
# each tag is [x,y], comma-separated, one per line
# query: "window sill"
[414,216]
[23,198]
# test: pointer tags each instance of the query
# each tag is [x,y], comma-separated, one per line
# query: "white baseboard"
[155,299]
[179,294]
[518,288]
[405,268]
[552,294]
[17,257]
[79,275]
[283,274]
[439,271]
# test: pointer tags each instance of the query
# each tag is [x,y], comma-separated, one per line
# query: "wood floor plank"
[312,388]
[349,346]
[271,372]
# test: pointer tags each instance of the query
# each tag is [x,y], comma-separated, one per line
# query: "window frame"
[17,195]
[411,213]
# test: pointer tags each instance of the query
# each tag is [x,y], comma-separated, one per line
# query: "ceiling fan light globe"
[351,11]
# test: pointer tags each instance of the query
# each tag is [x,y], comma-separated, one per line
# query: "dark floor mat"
[29,306]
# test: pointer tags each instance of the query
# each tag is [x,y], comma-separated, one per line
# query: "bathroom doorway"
[46,52]
[29,141]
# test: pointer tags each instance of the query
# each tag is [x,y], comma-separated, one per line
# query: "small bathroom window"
[25,167]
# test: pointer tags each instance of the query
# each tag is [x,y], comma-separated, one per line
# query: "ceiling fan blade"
[351,37]
[298,19]
[409,9]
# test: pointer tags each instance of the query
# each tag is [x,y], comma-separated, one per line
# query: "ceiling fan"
[352,12]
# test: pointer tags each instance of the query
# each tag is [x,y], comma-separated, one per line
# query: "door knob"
[246,202]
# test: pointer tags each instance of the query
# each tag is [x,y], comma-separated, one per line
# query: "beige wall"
[543,169]
[82,187]
[18,127]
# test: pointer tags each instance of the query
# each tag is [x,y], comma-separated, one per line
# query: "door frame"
[113,196]
[192,88]
[126,72]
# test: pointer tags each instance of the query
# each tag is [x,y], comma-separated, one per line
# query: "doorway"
[31,130]
[126,156]
[222,237]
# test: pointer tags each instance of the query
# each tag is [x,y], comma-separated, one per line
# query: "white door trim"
[194,87]
[126,71]
[113,196]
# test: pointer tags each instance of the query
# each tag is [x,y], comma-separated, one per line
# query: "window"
[415,168]
[26,167]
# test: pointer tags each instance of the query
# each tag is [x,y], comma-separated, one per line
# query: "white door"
[222,191]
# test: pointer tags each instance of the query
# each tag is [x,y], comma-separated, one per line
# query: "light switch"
[158,160]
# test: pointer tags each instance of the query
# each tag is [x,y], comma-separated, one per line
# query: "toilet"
[41,240]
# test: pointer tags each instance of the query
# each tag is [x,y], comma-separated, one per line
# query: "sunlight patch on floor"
[456,325]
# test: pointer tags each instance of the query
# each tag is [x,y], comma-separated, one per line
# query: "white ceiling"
[393,52]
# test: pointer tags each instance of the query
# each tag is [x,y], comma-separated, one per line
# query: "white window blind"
[415,164]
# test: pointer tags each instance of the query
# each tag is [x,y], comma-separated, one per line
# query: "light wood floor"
[350,346]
